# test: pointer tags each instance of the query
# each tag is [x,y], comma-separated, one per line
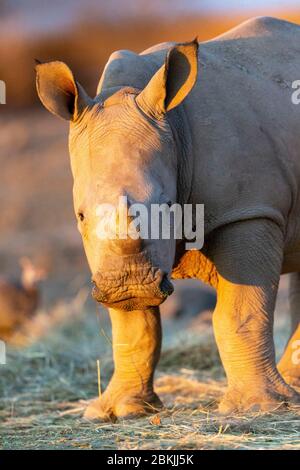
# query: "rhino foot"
[265,399]
[289,365]
[110,408]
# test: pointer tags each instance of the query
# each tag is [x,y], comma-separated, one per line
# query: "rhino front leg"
[289,365]
[136,350]
[248,257]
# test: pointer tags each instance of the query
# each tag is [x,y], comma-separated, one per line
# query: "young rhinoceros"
[19,299]
[220,130]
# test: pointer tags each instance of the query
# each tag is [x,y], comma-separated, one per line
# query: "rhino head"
[122,145]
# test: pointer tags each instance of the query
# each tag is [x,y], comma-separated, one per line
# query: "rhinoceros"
[214,124]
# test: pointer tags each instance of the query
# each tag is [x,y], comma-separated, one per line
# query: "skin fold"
[210,124]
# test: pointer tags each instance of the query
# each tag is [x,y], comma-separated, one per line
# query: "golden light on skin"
[296,353]
[289,364]
[152,137]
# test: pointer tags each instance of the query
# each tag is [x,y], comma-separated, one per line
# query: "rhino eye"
[81,216]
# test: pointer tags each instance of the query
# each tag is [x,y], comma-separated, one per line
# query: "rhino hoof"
[103,410]
[236,401]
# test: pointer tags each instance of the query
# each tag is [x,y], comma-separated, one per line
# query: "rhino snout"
[142,287]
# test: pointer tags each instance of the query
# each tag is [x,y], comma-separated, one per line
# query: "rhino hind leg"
[289,365]
[248,257]
[136,349]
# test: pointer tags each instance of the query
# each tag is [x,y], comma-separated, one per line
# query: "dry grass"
[45,388]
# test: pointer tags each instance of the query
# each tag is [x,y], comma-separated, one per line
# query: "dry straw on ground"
[45,387]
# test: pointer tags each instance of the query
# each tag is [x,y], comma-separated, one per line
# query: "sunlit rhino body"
[216,127]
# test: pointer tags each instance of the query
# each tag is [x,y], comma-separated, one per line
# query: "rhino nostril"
[166,287]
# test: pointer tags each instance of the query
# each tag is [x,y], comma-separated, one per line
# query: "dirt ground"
[45,388]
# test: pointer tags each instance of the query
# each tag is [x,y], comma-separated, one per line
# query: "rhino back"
[243,125]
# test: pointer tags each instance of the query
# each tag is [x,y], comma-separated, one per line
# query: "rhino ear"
[59,92]
[172,82]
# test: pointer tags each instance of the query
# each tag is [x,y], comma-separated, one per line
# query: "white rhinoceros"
[214,126]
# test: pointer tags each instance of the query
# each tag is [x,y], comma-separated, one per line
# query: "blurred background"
[35,181]
[44,386]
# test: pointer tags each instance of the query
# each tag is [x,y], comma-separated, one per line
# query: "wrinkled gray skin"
[216,127]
